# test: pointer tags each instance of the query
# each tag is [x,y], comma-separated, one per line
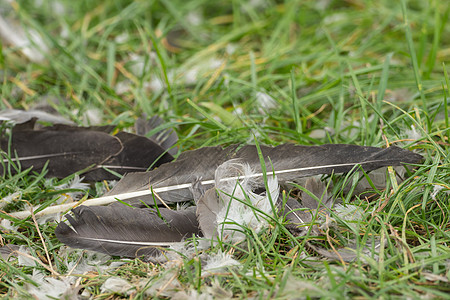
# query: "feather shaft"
[154,244]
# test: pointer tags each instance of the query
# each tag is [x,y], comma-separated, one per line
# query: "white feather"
[24,257]
[10,198]
[48,287]
[412,133]
[218,262]
[117,285]
[29,41]
[8,226]
[79,262]
[242,208]
[75,183]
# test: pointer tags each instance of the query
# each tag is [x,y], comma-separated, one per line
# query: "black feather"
[138,154]
[66,151]
[166,138]
[125,231]
[172,181]
[70,149]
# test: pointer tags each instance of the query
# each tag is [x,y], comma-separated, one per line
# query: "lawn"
[265,72]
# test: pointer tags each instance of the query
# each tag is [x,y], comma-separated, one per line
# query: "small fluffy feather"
[50,288]
[24,258]
[75,183]
[7,225]
[412,133]
[265,102]
[28,40]
[10,198]
[349,213]
[166,285]
[117,285]
[218,262]
[84,261]
[207,292]
[237,213]
[436,189]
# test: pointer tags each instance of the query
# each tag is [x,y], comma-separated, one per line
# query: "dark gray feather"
[125,231]
[207,208]
[138,154]
[70,149]
[172,181]
[166,138]
[66,151]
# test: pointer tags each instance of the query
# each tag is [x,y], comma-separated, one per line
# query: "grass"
[308,72]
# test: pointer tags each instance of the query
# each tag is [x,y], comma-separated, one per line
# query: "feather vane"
[126,231]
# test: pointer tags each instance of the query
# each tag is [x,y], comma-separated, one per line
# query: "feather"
[319,190]
[126,231]
[66,151]
[70,149]
[299,216]
[298,219]
[172,181]
[207,208]
[23,116]
[166,138]
[232,205]
[27,40]
[138,154]
[351,252]
[9,250]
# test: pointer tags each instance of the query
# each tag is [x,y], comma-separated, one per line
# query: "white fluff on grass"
[79,262]
[75,183]
[166,285]
[195,72]
[122,38]
[49,288]
[139,64]
[436,190]
[194,18]
[7,225]
[155,84]
[241,207]
[230,48]
[349,213]
[117,285]
[207,292]
[219,262]
[28,40]
[24,257]
[10,198]
[412,133]
[122,87]
[265,102]
[64,287]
